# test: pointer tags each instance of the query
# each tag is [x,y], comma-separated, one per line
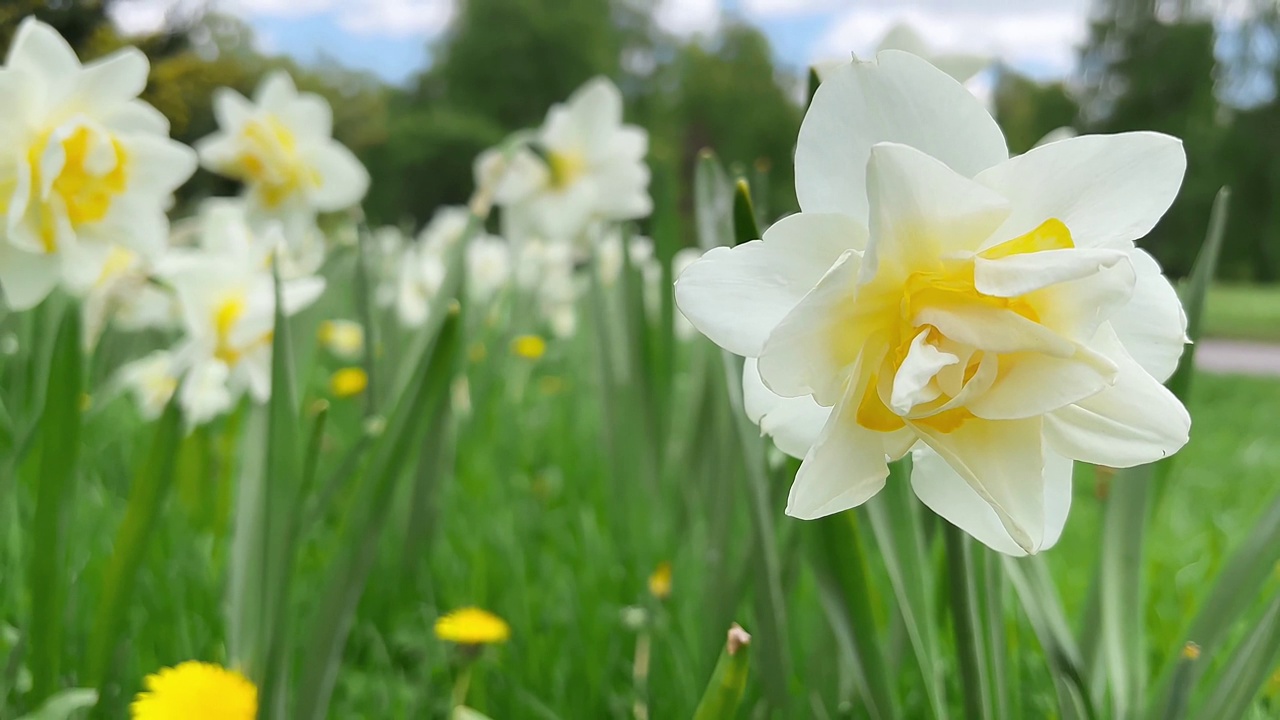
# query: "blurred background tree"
[1165,65]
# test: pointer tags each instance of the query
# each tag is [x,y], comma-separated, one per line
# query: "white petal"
[1135,421]
[921,209]
[942,489]
[1003,462]
[204,393]
[913,383]
[1030,384]
[736,296]
[40,52]
[343,180]
[1108,189]
[793,423]
[231,109]
[1075,309]
[297,294]
[310,116]
[1023,273]
[807,353]
[1152,325]
[623,191]
[112,81]
[26,278]
[994,329]
[899,98]
[158,165]
[845,467]
[276,92]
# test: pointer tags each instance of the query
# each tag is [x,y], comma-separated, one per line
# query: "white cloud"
[397,18]
[786,8]
[1039,39]
[381,18]
[688,17]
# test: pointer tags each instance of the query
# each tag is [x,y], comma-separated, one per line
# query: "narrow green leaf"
[427,396]
[839,560]
[151,484]
[1039,600]
[1252,663]
[64,705]
[724,691]
[895,521]
[745,228]
[55,499]
[966,622]
[1122,590]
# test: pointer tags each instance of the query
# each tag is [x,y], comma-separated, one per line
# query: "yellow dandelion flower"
[660,581]
[348,382]
[196,691]
[472,626]
[343,338]
[529,347]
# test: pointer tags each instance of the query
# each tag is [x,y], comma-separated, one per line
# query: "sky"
[390,37]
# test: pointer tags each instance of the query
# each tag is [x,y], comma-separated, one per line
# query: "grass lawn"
[1243,312]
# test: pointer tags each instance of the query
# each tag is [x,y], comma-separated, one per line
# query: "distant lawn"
[1243,312]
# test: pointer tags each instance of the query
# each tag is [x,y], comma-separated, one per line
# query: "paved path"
[1238,356]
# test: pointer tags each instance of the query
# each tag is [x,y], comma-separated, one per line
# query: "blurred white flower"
[935,294]
[585,165]
[545,272]
[125,294]
[488,267]
[226,296]
[343,338]
[84,165]
[423,265]
[152,382]
[281,146]
[386,254]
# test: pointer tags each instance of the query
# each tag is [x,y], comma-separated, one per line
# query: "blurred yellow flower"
[472,626]
[196,691]
[348,382]
[530,347]
[660,581]
[343,338]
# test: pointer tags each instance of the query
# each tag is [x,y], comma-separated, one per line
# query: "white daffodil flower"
[585,165]
[226,296]
[152,382]
[281,146]
[423,265]
[125,294]
[84,166]
[935,293]
[488,267]
[387,249]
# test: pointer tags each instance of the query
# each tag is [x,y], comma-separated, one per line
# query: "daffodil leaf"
[724,691]
[745,228]
[59,448]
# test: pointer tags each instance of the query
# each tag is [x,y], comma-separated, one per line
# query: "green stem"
[973,682]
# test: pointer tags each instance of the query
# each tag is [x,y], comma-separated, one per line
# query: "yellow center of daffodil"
[472,626]
[93,173]
[196,691]
[225,316]
[269,161]
[566,167]
[885,315]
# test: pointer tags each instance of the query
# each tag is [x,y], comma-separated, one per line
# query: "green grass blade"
[1039,600]
[838,557]
[728,681]
[427,397]
[895,521]
[967,624]
[60,428]
[64,705]
[1252,663]
[151,485]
